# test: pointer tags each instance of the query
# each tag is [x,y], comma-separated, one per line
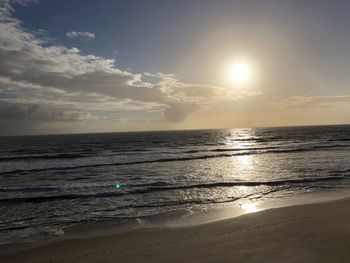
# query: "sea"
[63,186]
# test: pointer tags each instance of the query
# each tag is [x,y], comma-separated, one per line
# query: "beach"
[190,131]
[303,233]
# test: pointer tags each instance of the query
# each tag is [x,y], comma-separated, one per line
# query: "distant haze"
[91,66]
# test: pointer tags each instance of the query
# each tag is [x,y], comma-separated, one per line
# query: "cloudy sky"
[104,66]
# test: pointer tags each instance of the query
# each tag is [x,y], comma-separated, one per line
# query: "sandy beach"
[304,233]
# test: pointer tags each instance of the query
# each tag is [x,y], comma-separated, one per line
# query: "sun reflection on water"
[243,164]
[240,138]
[246,161]
[249,208]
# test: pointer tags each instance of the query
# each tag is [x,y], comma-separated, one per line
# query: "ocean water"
[54,185]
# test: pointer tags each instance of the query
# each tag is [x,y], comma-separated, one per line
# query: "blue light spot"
[117,186]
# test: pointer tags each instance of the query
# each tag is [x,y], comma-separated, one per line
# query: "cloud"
[82,35]
[177,112]
[198,91]
[311,101]
[30,69]
[7,7]
[35,112]
[46,82]
[27,65]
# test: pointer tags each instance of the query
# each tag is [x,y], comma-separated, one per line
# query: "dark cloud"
[35,112]
[199,91]
[177,112]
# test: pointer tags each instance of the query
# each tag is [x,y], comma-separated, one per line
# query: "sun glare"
[241,73]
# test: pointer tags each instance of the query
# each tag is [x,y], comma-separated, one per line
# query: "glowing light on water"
[249,208]
[245,160]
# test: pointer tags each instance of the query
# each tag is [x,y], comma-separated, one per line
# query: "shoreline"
[292,229]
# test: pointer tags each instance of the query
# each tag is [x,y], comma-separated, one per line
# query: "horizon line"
[177,130]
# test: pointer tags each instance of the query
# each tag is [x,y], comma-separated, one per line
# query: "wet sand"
[304,233]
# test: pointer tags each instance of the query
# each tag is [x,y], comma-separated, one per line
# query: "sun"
[241,73]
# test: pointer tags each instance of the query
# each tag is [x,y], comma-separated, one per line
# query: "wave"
[228,149]
[242,149]
[40,199]
[28,189]
[187,158]
[160,186]
[43,156]
[331,146]
[253,183]
[248,151]
[339,139]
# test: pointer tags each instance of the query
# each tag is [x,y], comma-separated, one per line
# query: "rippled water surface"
[49,184]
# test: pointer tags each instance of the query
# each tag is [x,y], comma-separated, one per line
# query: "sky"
[105,66]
